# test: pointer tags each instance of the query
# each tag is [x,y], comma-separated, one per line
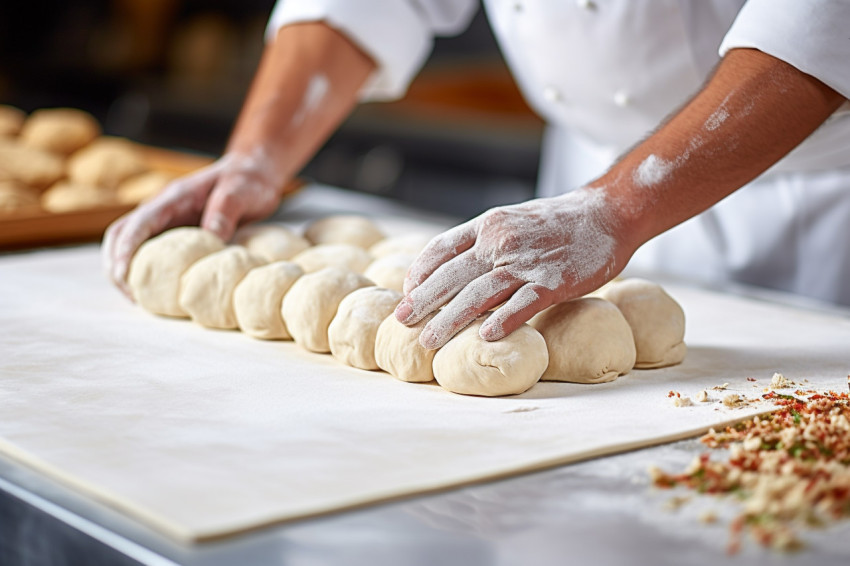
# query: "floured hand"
[529,256]
[237,188]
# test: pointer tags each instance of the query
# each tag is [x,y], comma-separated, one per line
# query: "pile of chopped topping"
[789,468]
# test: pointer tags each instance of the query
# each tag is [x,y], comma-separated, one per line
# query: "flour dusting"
[314,95]
[652,171]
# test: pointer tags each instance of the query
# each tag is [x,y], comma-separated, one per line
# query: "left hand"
[529,256]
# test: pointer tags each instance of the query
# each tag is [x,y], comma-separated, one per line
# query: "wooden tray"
[40,228]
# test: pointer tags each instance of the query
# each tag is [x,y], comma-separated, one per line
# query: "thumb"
[223,211]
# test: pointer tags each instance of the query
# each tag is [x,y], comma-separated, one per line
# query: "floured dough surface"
[206,288]
[344,256]
[271,241]
[142,187]
[312,302]
[344,229]
[352,331]
[59,130]
[398,352]
[106,162]
[410,244]
[11,120]
[68,197]
[389,271]
[159,263]
[656,319]
[589,341]
[470,365]
[258,298]
[32,167]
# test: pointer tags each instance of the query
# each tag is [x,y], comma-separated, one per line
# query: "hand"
[530,256]
[237,188]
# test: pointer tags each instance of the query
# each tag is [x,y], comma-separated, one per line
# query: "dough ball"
[33,167]
[656,319]
[410,244]
[11,121]
[206,288]
[344,229]
[68,197]
[155,270]
[273,242]
[470,365]
[398,352]
[258,298]
[389,271]
[142,187]
[352,332]
[344,256]
[311,304]
[106,163]
[15,197]
[589,341]
[59,130]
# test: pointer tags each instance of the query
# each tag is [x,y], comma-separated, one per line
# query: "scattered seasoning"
[732,400]
[789,468]
[682,401]
[702,396]
[779,381]
[721,387]
[751,379]
[674,394]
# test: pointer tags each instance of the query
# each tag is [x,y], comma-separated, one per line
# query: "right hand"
[236,189]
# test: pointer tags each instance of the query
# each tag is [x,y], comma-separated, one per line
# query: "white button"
[586,4]
[552,94]
[622,98]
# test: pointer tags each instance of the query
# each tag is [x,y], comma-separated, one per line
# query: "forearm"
[307,83]
[753,111]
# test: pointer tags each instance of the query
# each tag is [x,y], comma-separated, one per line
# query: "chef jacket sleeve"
[396,34]
[811,35]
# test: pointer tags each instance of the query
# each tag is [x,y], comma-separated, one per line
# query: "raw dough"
[344,256]
[142,187]
[311,304]
[271,241]
[258,298]
[32,167]
[589,341]
[106,163]
[206,288]
[59,130]
[15,197]
[351,333]
[656,319]
[68,197]
[470,365]
[398,352]
[410,244]
[155,270]
[389,271]
[11,121]
[344,229]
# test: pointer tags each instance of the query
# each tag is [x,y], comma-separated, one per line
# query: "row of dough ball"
[56,159]
[334,309]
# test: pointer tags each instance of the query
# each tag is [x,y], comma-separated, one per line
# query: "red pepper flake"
[751,379]
[789,468]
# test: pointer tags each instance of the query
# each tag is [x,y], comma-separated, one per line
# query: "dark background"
[173,73]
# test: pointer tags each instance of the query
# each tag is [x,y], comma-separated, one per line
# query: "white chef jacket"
[605,73]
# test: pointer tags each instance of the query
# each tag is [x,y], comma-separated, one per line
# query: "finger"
[441,249]
[225,208]
[441,287]
[529,300]
[107,251]
[475,299]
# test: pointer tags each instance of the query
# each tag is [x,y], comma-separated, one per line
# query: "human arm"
[752,111]
[308,81]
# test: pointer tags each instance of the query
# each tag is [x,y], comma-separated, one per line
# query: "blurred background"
[173,73]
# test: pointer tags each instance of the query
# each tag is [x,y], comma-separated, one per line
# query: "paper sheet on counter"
[203,433]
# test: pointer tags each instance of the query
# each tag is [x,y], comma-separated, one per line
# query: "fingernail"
[427,340]
[404,311]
